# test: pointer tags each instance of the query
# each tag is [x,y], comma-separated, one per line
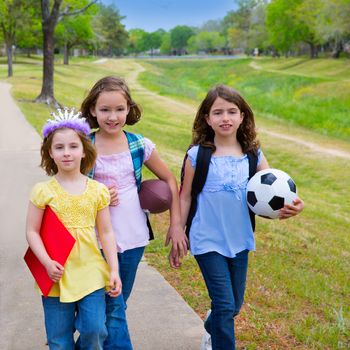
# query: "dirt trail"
[181,107]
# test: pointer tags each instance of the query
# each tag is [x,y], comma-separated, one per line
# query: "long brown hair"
[50,167]
[203,134]
[109,83]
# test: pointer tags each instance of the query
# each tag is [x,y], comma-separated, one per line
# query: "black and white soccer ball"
[268,191]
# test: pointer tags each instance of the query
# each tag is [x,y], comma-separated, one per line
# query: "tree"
[179,37]
[14,16]
[137,42]
[236,24]
[206,41]
[110,32]
[165,47]
[50,17]
[30,37]
[333,24]
[153,40]
[282,25]
[72,31]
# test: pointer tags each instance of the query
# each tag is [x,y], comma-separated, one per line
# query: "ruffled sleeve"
[192,155]
[149,147]
[40,195]
[103,197]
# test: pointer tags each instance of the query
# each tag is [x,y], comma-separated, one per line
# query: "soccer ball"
[268,191]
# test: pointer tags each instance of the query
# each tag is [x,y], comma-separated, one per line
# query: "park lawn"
[318,101]
[298,284]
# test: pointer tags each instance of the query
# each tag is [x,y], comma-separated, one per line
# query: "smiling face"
[111,110]
[224,118]
[67,150]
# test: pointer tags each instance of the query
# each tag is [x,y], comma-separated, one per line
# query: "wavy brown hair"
[203,134]
[110,83]
[50,167]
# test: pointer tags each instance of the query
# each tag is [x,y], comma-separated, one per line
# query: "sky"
[151,15]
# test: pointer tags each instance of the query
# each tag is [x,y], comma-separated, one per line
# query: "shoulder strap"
[199,179]
[137,149]
[92,171]
[253,163]
[202,168]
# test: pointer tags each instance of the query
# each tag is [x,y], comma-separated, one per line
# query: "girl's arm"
[175,233]
[106,236]
[185,195]
[33,224]
[185,204]
[288,210]
[263,164]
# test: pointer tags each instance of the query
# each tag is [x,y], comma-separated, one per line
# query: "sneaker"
[206,339]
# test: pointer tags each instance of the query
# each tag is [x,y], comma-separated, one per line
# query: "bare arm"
[185,203]
[106,236]
[33,223]
[175,233]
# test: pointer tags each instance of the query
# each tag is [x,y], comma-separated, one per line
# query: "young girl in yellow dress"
[77,298]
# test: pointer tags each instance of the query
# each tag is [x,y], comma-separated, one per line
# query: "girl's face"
[67,150]
[224,118]
[111,110]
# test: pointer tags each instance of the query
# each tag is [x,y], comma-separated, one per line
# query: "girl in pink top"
[109,107]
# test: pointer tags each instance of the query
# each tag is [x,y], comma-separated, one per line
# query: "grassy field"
[283,89]
[298,282]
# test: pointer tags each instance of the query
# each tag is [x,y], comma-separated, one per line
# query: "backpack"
[200,176]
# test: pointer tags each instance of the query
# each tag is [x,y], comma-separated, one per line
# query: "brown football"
[155,196]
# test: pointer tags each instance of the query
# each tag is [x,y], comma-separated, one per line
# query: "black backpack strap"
[199,178]
[253,163]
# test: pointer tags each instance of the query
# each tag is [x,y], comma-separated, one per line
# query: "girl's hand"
[54,270]
[179,242]
[115,284]
[174,259]
[114,195]
[291,210]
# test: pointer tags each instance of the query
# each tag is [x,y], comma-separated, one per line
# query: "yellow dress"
[85,270]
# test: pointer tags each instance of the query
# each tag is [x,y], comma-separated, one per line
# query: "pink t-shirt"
[128,219]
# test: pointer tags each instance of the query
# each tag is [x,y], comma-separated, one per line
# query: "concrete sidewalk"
[159,319]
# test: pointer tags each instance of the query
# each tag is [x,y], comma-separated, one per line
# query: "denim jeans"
[86,315]
[118,333]
[225,279]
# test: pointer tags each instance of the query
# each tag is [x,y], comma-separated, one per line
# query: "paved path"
[159,319]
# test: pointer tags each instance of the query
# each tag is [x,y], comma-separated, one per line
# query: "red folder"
[58,243]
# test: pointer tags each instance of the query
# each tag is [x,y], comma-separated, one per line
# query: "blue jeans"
[225,279]
[86,315]
[117,327]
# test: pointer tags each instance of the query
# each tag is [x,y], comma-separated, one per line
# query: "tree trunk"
[337,49]
[9,59]
[66,54]
[313,50]
[46,94]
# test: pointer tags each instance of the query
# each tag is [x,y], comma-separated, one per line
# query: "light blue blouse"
[222,223]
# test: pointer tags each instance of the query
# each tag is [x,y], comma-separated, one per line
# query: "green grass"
[319,100]
[298,282]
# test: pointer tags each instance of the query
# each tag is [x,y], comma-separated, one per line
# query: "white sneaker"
[206,339]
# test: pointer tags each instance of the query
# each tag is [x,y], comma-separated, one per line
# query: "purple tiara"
[66,119]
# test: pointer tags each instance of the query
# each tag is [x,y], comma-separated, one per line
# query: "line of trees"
[277,27]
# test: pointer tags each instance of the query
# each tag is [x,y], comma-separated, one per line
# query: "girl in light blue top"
[221,234]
